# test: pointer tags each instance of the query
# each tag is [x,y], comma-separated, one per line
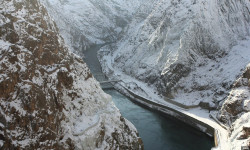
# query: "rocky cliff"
[48,97]
[190,51]
[235,111]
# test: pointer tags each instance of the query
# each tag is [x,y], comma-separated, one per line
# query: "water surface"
[157,131]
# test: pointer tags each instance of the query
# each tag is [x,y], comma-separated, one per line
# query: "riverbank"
[143,94]
[211,129]
[158,130]
[154,127]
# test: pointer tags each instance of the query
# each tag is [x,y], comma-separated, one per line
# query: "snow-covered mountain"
[189,51]
[185,49]
[86,22]
[48,97]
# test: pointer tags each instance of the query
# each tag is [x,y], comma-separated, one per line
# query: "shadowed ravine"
[157,131]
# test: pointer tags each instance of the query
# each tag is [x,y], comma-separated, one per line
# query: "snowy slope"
[48,97]
[184,49]
[86,22]
[189,51]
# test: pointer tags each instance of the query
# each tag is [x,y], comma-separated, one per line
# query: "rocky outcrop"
[236,111]
[48,97]
[238,101]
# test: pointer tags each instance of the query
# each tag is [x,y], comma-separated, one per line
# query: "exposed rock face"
[236,111]
[48,97]
[238,101]
[191,51]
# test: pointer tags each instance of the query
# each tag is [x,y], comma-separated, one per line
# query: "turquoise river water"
[157,131]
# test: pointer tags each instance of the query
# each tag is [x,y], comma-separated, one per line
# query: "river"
[157,131]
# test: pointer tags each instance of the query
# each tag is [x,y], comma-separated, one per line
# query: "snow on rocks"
[186,50]
[240,135]
[235,112]
[190,52]
[48,97]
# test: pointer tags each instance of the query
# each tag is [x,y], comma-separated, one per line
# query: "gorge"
[191,53]
[185,59]
[156,130]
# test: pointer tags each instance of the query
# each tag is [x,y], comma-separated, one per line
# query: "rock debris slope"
[48,97]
